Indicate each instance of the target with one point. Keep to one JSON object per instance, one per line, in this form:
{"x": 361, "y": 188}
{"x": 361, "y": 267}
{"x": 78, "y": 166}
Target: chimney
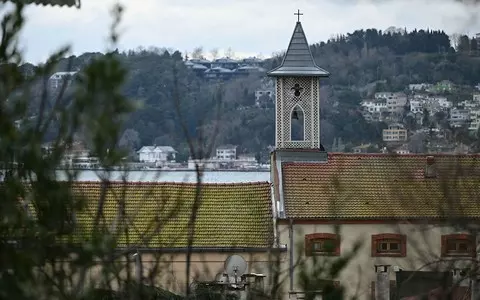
{"x": 382, "y": 282}
{"x": 430, "y": 167}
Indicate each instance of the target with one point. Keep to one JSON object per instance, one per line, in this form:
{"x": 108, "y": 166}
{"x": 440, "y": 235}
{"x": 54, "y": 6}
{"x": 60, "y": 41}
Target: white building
{"x": 419, "y": 86}
{"x": 468, "y": 104}
{"x": 226, "y": 152}
{"x": 389, "y": 95}
{"x": 395, "y": 101}
{"x": 444, "y": 103}
{"x": 57, "y": 79}
{"x": 374, "y": 106}
{"x": 76, "y": 156}
{"x": 246, "y": 161}
{"x": 403, "y": 149}
{"x": 226, "y": 158}
{"x": 416, "y": 106}
{"x": 476, "y": 98}
{"x": 395, "y": 133}
{"x": 156, "y": 154}
{"x": 474, "y": 119}
{"x": 459, "y": 117}
{"x": 434, "y": 103}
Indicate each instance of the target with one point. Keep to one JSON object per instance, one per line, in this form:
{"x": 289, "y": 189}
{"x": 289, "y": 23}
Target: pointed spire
{"x": 298, "y": 60}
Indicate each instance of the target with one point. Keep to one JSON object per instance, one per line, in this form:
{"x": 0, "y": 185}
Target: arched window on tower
{"x": 297, "y": 130}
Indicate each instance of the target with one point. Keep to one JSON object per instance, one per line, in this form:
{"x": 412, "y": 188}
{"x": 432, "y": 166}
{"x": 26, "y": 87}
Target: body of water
{"x": 173, "y": 176}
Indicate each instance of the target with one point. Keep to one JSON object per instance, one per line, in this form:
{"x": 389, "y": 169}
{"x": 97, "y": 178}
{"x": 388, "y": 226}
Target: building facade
{"x": 226, "y": 152}
{"x": 156, "y": 154}
{"x": 389, "y": 213}
{"x": 386, "y": 209}
{"x": 395, "y": 133}
{"x": 58, "y": 79}
{"x": 233, "y": 219}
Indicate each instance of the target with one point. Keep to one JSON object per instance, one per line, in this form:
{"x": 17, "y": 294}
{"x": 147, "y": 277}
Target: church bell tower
{"x": 297, "y": 88}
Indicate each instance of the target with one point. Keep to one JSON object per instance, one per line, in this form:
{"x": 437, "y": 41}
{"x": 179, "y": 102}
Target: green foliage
{"x": 37, "y": 210}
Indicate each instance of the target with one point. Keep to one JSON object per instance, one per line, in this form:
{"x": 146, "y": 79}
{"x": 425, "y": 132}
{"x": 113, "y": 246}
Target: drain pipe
{"x": 290, "y": 268}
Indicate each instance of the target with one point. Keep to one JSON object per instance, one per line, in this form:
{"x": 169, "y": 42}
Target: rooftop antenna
{"x": 235, "y": 266}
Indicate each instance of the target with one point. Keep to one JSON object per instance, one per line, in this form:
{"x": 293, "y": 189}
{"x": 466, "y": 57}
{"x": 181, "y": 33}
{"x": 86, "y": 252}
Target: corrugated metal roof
{"x": 298, "y": 60}
{"x": 68, "y": 3}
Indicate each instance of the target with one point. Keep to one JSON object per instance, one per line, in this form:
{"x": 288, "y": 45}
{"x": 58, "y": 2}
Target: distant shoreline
{"x": 169, "y": 170}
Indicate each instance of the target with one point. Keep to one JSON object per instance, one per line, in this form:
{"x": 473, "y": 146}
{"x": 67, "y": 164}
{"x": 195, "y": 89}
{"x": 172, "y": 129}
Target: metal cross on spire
{"x": 298, "y": 14}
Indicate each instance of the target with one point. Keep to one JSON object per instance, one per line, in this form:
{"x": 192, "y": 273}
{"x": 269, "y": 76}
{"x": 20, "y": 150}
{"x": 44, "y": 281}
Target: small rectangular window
{"x": 324, "y": 244}
{"x": 389, "y": 245}
{"x": 458, "y": 245}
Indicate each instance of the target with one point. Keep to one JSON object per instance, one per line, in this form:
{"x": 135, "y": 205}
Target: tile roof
{"x": 382, "y": 186}
{"x": 298, "y": 60}
{"x": 230, "y": 215}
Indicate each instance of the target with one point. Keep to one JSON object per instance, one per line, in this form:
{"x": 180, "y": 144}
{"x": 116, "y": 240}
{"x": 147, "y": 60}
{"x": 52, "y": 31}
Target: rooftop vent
{"x": 430, "y": 168}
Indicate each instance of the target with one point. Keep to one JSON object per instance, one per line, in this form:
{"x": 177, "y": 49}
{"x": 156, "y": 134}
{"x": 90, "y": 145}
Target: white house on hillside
{"x": 459, "y": 117}
{"x": 416, "y": 106}
{"x": 476, "y": 98}
{"x": 374, "y": 106}
{"x": 57, "y": 79}
{"x": 395, "y": 133}
{"x": 156, "y": 154}
{"x": 227, "y": 152}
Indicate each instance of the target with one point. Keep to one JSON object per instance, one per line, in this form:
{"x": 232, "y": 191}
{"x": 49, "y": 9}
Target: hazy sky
{"x": 249, "y": 27}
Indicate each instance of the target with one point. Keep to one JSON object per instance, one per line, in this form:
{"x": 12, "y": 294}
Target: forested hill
{"x": 366, "y": 56}
{"x": 361, "y": 63}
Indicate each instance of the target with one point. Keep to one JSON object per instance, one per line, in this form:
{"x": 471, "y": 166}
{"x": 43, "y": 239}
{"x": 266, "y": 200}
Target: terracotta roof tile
{"x": 230, "y": 215}
{"x": 382, "y": 186}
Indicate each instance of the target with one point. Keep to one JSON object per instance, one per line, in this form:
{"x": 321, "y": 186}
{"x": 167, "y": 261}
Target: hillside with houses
{"x": 408, "y": 92}
{"x": 425, "y": 118}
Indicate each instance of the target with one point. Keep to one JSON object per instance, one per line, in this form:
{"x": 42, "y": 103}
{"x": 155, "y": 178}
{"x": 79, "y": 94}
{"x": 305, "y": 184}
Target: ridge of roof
{"x": 395, "y": 155}
{"x": 298, "y": 60}
{"x": 167, "y": 183}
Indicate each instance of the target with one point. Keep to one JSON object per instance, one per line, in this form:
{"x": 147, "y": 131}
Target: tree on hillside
{"x": 214, "y": 53}
{"x": 426, "y": 118}
{"x": 455, "y": 40}
{"x": 474, "y": 46}
{"x": 230, "y": 53}
{"x": 130, "y": 140}
{"x": 197, "y": 53}
{"x": 464, "y": 44}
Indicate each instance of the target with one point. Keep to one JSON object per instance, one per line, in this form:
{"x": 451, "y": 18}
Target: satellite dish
{"x": 235, "y": 265}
